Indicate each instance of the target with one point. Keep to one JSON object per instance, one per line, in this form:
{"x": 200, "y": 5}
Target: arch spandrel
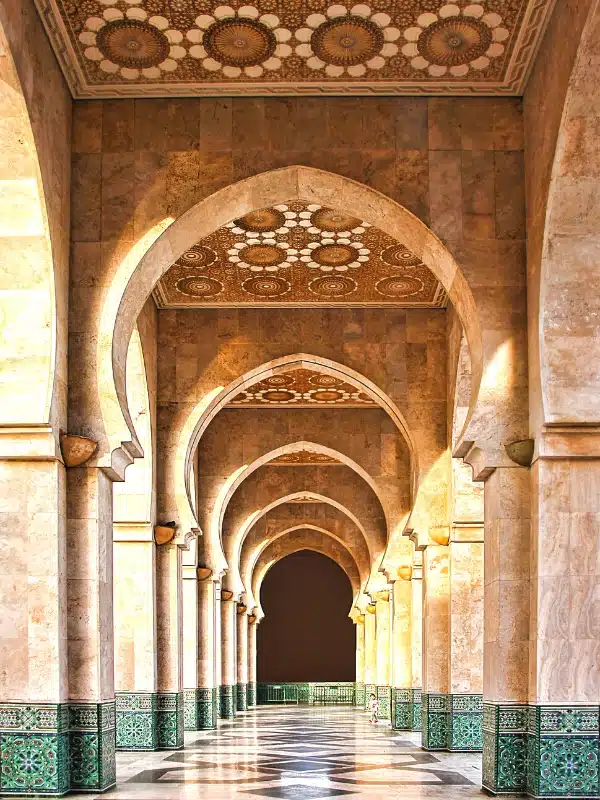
{"x": 367, "y": 438}
{"x": 307, "y": 539}
{"x": 232, "y": 538}
{"x": 269, "y": 530}
{"x": 268, "y": 484}
{"x": 137, "y": 280}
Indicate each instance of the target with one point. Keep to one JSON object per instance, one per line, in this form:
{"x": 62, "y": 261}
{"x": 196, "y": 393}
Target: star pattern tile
{"x": 297, "y": 254}
{"x": 302, "y": 387}
{"x": 111, "y": 48}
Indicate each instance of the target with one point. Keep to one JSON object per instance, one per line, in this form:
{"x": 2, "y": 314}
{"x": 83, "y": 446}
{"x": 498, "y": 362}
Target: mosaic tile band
{"x": 200, "y": 708}
{"x": 227, "y": 701}
{"x": 251, "y": 694}
{"x": 49, "y": 749}
{"x": 136, "y": 720}
{"x": 452, "y": 721}
{"x": 242, "y": 697}
{"x": 401, "y": 709}
{"x": 416, "y": 710}
{"x": 543, "y": 751}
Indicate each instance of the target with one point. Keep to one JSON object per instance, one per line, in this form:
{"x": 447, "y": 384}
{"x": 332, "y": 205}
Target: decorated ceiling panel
{"x": 304, "y": 458}
{"x": 298, "y": 254}
{"x": 301, "y": 387}
{"x": 156, "y": 47}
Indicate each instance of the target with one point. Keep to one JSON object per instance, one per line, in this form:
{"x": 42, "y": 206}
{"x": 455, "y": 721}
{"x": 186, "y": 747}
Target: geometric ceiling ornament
{"x": 302, "y": 388}
{"x": 298, "y": 254}
{"x": 304, "y": 458}
{"x": 137, "y": 48}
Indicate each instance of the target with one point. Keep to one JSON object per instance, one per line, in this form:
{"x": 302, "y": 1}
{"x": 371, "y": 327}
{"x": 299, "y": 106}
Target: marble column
{"x": 169, "y": 635}
{"x": 402, "y": 651}
{"x": 416, "y": 634}
{"x": 199, "y": 650}
{"x": 359, "y": 695}
{"x": 564, "y": 633}
{"x": 383, "y": 635}
{"x": 436, "y": 645}
{"x": 370, "y": 652}
{"x": 252, "y": 682}
{"x": 33, "y": 597}
{"x": 242, "y": 658}
{"x": 134, "y": 571}
{"x": 465, "y": 698}
{"x": 228, "y": 655}
{"x": 506, "y": 645}
{"x": 90, "y": 629}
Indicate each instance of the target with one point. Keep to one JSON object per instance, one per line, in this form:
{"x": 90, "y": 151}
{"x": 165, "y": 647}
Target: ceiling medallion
{"x": 199, "y": 286}
{"x": 239, "y": 42}
{"x": 326, "y": 219}
{"x": 132, "y": 44}
{"x": 332, "y": 286}
{"x": 261, "y": 221}
{"x": 399, "y": 287}
{"x": 262, "y": 255}
{"x": 267, "y": 286}
{"x": 279, "y": 380}
{"x": 399, "y": 256}
{"x": 324, "y": 380}
{"x": 455, "y": 40}
{"x": 350, "y": 41}
{"x": 199, "y": 256}
{"x": 330, "y": 255}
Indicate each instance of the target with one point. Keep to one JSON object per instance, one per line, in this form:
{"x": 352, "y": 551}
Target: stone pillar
{"x": 242, "y": 658}
{"x": 252, "y": 687}
{"x": 383, "y": 634}
{"x": 359, "y": 695}
{"x": 465, "y": 664}
{"x": 506, "y": 630}
{"x": 436, "y": 645}
{"x": 199, "y": 652}
{"x": 169, "y": 635}
{"x": 402, "y": 651}
{"x": 416, "y": 641}
{"x": 135, "y": 636}
{"x": 228, "y": 655}
{"x": 34, "y": 714}
{"x": 564, "y": 668}
{"x": 370, "y": 652}
{"x": 90, "y": 630}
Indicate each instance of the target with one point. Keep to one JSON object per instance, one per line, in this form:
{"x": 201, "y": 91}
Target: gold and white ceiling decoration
{"x": 304, "y": 458}
{"x": 301, "y": 387}
{"x": 115, "y": 48}
{"x": 296, "y": 254}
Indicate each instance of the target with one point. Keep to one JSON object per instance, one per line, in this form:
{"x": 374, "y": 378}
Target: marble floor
{"x": 297, "y": 753}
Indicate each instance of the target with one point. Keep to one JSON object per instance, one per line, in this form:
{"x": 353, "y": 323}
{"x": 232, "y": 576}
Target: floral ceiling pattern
{"x": 301, "y": 387}
{"x": 303, "y": 458}
{"x": 137, "y": 47}
{"x": 298, "y": 254}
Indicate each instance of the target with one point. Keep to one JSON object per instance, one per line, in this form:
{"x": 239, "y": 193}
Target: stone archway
{"x": 140, "y": 272}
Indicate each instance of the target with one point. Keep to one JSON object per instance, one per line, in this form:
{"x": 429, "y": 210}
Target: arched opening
{"x": 306, "y": 634}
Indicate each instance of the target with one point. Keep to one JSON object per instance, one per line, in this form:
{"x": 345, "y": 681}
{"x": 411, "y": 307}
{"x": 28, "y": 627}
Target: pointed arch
{"x": 141, "y": 271}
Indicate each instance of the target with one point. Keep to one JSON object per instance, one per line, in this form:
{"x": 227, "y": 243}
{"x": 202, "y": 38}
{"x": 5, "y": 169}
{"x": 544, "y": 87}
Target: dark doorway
{"x": 306, "y": 634}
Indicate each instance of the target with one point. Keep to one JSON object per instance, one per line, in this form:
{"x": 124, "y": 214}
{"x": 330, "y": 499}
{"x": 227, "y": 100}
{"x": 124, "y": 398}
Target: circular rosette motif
{"x": 332, "y": 286}
{"x": 399, "y": 256}
{"x": 323, "y": 380}
{"x": 265, "y": 220}
{"x": 199, "y": 286}
{"x": 455, "y": 40}
{"x": 397, "y": 288}
{"x": 330, "y": 255}
{"x": 347, "y": 41}
{"x": 326, "y": 219}
{"x": 327, "y": 396}
{"x": 239, "y": 42}
{"x": 132, "y": 43}
{"x": 282, "y": 396}
{"x": 262, "y": 255}
{"x": 199, "y": 256}
{"x": 279, "y": 380}
{"x": 266, "y": 287}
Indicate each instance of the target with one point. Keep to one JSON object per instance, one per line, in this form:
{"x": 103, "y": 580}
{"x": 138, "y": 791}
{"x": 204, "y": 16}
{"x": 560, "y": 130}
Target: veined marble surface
{"x": 297, "y": 753}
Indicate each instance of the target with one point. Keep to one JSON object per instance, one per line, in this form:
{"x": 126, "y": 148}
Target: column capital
{"x": 226, "y": 595}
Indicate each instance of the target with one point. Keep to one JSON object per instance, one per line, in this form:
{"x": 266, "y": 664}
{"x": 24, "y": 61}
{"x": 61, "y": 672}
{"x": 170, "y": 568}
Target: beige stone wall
{"x": 47, "y": 116}
{"x": 543, "y": 111}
